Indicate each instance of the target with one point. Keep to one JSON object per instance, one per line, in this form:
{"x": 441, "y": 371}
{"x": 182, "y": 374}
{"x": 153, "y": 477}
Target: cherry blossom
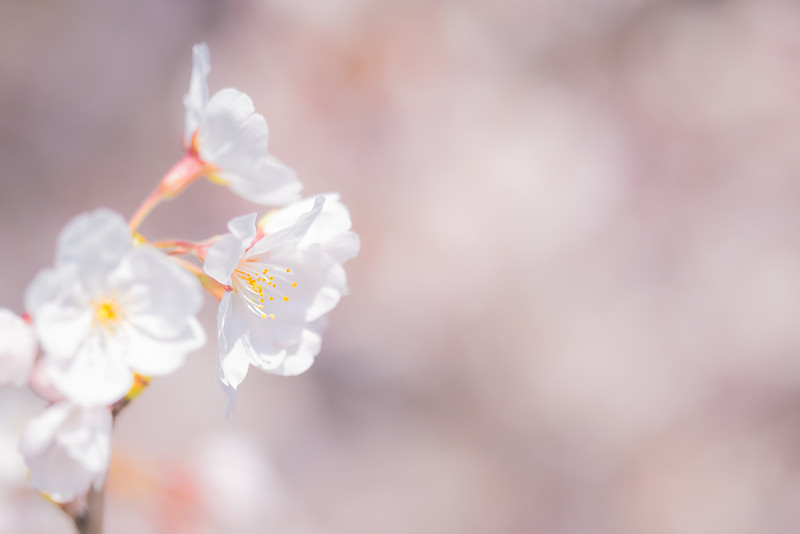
{"x": 109, "y": 309}
{"x": 227, "y": 142}
{"x": 68, "y": 449}
{"x": 282, "y": 279}
{"x": 17, "y": 348}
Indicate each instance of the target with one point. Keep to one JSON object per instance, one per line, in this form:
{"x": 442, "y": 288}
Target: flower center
{"x": 258, "y": 282}
{"x": 107, "y": 313}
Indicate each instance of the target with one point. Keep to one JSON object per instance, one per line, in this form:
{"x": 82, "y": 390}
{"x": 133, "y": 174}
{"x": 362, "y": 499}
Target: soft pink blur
{"x": 577, "y": 304}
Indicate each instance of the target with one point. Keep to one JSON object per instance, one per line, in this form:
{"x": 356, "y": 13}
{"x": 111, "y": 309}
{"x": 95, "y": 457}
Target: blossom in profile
{"x": 227, "y": 142}
{"x": 108, "y": 310}
{"x": 17, "y": 349}
{"x": 68, "y": 449}
{"x": 282, "y": 278}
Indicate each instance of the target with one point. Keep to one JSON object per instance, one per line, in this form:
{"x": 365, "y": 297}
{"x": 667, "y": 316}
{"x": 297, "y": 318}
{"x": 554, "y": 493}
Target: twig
{"x": 88, "y": 519}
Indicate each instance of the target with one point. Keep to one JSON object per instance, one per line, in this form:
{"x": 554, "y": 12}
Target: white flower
{"x": 17, "y": 348}
{"x": 281, "y": 286}
{"x": 230, "y": 139}
{"x": 108, "y": 310}
{"x": 68, "y": 449}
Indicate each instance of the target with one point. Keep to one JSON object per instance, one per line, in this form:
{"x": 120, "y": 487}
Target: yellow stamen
{"x": 106, "y": 313}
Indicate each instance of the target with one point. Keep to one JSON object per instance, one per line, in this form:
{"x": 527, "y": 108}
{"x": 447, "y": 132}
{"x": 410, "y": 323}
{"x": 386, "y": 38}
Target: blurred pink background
{"x": 577, "y": 305}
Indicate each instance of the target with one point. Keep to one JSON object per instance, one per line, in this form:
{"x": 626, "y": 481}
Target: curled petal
{"x": 301, "y": 357}
{"x": 196, "y": 98}
{"x": 333, "y": 220}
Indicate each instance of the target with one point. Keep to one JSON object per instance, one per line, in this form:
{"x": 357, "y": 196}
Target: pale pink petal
{"x": 17, "y": 349}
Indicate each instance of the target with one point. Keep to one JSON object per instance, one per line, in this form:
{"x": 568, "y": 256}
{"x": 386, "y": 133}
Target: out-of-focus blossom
{"x": 108, "y": 310}
{"x": 17, "y": 348}
{"x": 220, "y": 483}
{"x": 282, "y": 279}
{"x": 22, "y": 510}
{"x": 227, "y": 142}
{"x": 234, "y": 482}
{"x": 68, "y": 449}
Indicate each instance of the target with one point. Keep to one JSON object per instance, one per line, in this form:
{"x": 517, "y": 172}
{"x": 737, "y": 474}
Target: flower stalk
{"x": 183, "y": 173}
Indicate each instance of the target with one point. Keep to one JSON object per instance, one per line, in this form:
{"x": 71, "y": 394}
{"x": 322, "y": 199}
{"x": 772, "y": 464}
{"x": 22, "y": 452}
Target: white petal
{"x": 269, "y": 182}
{"x": 41, "y": 383}
{"x": 234, "y": 366}
{"x": 155, "y": 293}
{"x": 243, "y": 227}
{"x": 300, "y": 359}
{"x": 286, "y": 239}
{"x": 61, "y": 313}
{"x": 342, "y": 247}
{"x": 230, "y": 397}
{"x": 196, "y": 98}
{"x": 233, "y": 136}
{"x": 321, "y": 282}
{"x": 233, "y": 357}
{"x": 48, "y": 285}
{"x": 222, "y": 258}
{"x": 325, "y": 300}
{"x": 68, "y": 449}
{"x": 17, "y": 348}
{"x": 333, "y": 220}
{"x": 85, "y": 437}
{"x": 149, "y": 356}
{"x": 40, "y": 431}
{"x": 95, "y": 241}
{"x": 97, "y": 375}
{"x": 235, "y": 139}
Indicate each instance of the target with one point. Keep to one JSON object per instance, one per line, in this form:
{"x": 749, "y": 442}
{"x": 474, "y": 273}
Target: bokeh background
{"x": 577, "y": 305}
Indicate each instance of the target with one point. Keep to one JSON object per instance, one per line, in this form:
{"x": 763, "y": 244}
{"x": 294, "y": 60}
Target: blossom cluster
{"x": 116, "y": 309}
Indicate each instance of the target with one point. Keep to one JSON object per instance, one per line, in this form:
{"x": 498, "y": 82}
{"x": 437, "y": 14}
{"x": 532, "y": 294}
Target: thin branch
{"x": 86, "y": 512}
